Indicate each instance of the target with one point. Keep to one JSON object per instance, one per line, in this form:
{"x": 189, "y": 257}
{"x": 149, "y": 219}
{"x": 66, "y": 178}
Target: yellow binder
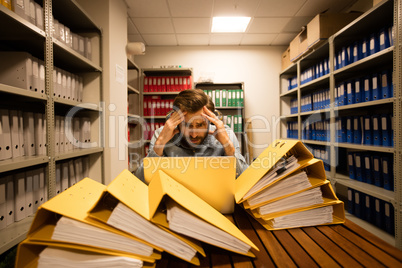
{"x": 315, "y": 174}
{"x": 74, "y": 203}
{"x": 28, "y": 252}
{"x": 266, "y": 160}
{"x": 145, "y": 200}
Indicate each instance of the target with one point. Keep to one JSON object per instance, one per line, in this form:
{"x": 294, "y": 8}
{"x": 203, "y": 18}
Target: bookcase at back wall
{"x": 320, "y": 105}
{"x": 52, "y": 168}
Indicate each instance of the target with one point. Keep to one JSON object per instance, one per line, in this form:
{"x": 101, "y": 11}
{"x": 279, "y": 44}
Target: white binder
{"x": 59, "y": 82}
{"x": 5, "y": 135}
{"x": 73, "y": 87}
{"x": 85, "y": 167}
{"x": 68, "y": 86}
{"x": 44, "y": 134}
{"x": 15, "y": 137}
{"x": 62, "y": 134}
{"x": 88, "y": 48}
{"x": 76, "y": 132}
{"x": 10, "y": 199}
{"x": 78, "y": 169}
{"x": 57, "y": 121}
{"x": 35, "y": 189}
{"x": 16, "y": 69}
{"x": 35, "y": 74}
{"x": 58, "y": 178}
{"x": 80, "y": 89}
{"x": 21, "y": 133}
{"x": 19, "y": 8}
{"x": 71, "y": 169}
{"x": 42, "y": 183}
{"x": 29, "y": 135}
{"x": 29, "y": 192}
{"x": 64, "y": 84}
{"x": 39, "y": 16}
{"x": 19, "y": 196}
{"x": 38, "y": 132}
{"x": 3, "y": 203}
{"x": 32, "y": 15}
{"x": 64, "y": 176}
{"x": 41, "y": 77}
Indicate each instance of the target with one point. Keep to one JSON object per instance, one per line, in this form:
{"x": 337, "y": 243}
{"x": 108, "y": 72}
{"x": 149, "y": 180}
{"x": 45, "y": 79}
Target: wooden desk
{"x": 346, "y": 245}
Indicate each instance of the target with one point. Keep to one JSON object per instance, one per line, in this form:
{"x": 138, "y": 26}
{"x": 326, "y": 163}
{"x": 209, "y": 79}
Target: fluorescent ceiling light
{"x": 229, "y": 24}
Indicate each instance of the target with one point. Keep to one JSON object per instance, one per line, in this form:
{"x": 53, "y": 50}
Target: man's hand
{"x": 169, "y": 130}
{"x": 220, "y": 133}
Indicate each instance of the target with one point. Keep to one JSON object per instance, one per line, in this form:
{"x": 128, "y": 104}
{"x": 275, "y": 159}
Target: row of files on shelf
{"x": 362, "y": 48}
{"x": 362, "y": 89}
{"x": 320, "y": 152}
{"x": 167, "y": 83}
{"x": 372, "y": 168}
{"x": 29, "y": 10}
{"x": 23, "y": 191}
{"x": 22, "y": 70}
{"x": 226, "y": 97}
{"x": 373, "y": 210}
{"x": 155, "y": 105}
{"x": 24, "y": 133}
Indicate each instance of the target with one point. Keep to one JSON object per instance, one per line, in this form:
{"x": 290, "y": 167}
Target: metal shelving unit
{"x": 384, "y": 13}
{"x": 20, "y": 35}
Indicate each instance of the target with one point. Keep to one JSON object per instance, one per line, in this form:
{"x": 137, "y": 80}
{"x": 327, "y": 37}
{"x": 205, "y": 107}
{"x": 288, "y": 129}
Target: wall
{"x": 257, "y": 66}
{"x": 111, "y": 16}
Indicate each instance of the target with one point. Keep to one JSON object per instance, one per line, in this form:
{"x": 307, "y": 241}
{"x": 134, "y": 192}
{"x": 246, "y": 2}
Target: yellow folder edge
{"x": 338, "y": 217}
{"x": 315, "y": 174}
{"x": 74, "y": 203}
{"x": 265, "y": 161}
{"x": 162, "y": 184}
{"x": 328, "y": 195}
{"x": 133, "y": 193}
{"x": 28, "y": 252}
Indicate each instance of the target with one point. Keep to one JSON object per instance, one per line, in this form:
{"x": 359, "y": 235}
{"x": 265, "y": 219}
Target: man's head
{"x": 194, "y": 127}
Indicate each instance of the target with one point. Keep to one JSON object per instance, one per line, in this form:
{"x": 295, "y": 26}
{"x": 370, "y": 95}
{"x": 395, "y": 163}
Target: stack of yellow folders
{"x": 286, "y": 187}
{"x": 126, "y": 223}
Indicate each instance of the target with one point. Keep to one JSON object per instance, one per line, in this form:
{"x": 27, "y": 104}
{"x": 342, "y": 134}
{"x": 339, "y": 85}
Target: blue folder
{"x": 389, "y": 215}
{"x": 384, "y": 38}
{"x": 369, "y": 211}
{"x": 351, "y": 166}
{"x": 365, "y": 48}
{"x": 357, "y": 129}
{"x": 376, "y": 127}
{"x": 376, "y": 86}
{"x": 351, "y": 201}
{"x": 359, "y": 166}
{"x": 367, "y": 88}
{"x": 377, "y": 171}
{"x": 386, "y": 84}
{"x": 379, "y": 213}
{"x": 386, "y": 130}
{"x": 387, "y": 173}
{"x": 368, "y": 171}
{"x": 359, "y": 197}
{"x": 358, "y": 90}
{"x": 350, "y": 91}
{"x": 349, "y": 129}
{"x": 367, "y": 133}
{"x": 374, "y": 43}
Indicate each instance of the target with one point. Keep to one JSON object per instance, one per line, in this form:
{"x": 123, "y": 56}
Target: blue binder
{"x": 367, "y": 133}
{"x": 379, "y": 213}
{"x": 389, "y": 215}
{"x": 386, "y": 130}
{"x": 386, "y": 84}
{"x": 357, "y": 129}
{"x": 356, "y": 51}
{"x": 374, "y": 44}
{"x": 368, "y": 171}
{"x": 344, "y": 56}
{"x": 369, "y": 211}
{"x": 387, "y": 173}
{"x": 365, "y": 48}
{"x": 377, "y": 171}
{"x": 350, "y": 91}
{"x": 376, "y": 124}
{"x": 349, "y": 129}
{"x": 384, "y": 38}
{"x": 358, "y": 90}
{"x": 351, "y": 166}
{"x": 367, "y": 88}
{"x": 359, "y": 197}
{"x": 376, "y": 86}
{"x": 351, "y": 201}
{"x": 359, "y": 168}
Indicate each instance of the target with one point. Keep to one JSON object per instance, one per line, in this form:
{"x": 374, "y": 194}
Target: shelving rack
{"x": 17, "y": 34}
{"x": 386, "y": 12}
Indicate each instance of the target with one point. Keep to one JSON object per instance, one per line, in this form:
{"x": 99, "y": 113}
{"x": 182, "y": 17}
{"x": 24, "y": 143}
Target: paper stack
{"x": 286, "y": 187}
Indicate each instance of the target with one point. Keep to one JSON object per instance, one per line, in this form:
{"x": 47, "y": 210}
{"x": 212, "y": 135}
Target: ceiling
{"x": 188, "y": 22}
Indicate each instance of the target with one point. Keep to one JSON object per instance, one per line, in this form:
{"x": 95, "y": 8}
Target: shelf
{"x": 291, "y": 70}
{"x": 327, "y": 110}
{"x": 67, "y": 58}
{"x": 132, "y": 90}
{"x": 218, "y": 86}
{"x": 322, "y": 81}
{"x": 21, "y": 162}
{"x": 167, "y": 71}
{"x": 76, "y": 104}
{"x": 14, "y": 233}
{"x": 375, "y": 191}
{"x": 132, "y": 143}
{"x": 290, "y": 93}
{"x": 22, "y": 92}
{"x": 290, "y": 116}
{"x": 322, "y": 143}
{"x": 316, "y": 55}
{"x": 390, "y": 239}
{"x": 154, "y": 117}
{"x": 365, "y": 104}
{"x": 382, "y": 149}
{"x": 71, "y": 14}
{"x": 78, "y": 153}
{"x": 160, "y": 93}
{"x": 131, "y": 65}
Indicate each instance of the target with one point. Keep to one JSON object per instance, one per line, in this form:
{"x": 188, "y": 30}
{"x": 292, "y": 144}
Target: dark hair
{"x": 192, "y": 100}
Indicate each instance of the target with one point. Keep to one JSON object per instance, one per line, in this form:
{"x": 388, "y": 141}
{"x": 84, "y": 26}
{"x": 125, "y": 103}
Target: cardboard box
{"x": 286, "y": 59}
{"x": 375, "y": 2}
{"x": 298, "y": 46}
{"x": 324, "y": 25}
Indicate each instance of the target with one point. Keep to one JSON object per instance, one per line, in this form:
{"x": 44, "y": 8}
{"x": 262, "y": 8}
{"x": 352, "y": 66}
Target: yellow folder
{"x": 145, "y": 200}
{"x": 28, "y": 252}
{"x": 266, "y": 160}
{"x": 315, "y": 171}
{"x": 198, "y": 174}
{"x": 74, "y": 203}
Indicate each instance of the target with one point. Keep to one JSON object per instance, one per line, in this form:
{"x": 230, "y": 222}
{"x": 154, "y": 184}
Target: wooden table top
{"x": 343, "y": 245}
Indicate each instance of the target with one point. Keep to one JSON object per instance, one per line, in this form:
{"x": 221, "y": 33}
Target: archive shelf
{"x": 134, "y": 114}
{"x": 19, "y": 34}
{"x": 384, "y": 14}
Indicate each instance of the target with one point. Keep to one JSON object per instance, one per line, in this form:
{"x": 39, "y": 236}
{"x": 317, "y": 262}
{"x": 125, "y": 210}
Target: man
{"x": 192, "y": 129}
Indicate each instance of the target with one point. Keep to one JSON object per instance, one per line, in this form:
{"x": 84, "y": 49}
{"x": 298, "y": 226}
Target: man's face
{"x": 194, "y": 128}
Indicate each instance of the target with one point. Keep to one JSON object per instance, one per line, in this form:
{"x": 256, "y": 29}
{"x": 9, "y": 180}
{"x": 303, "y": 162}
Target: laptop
{"x": 211, "y": 178}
